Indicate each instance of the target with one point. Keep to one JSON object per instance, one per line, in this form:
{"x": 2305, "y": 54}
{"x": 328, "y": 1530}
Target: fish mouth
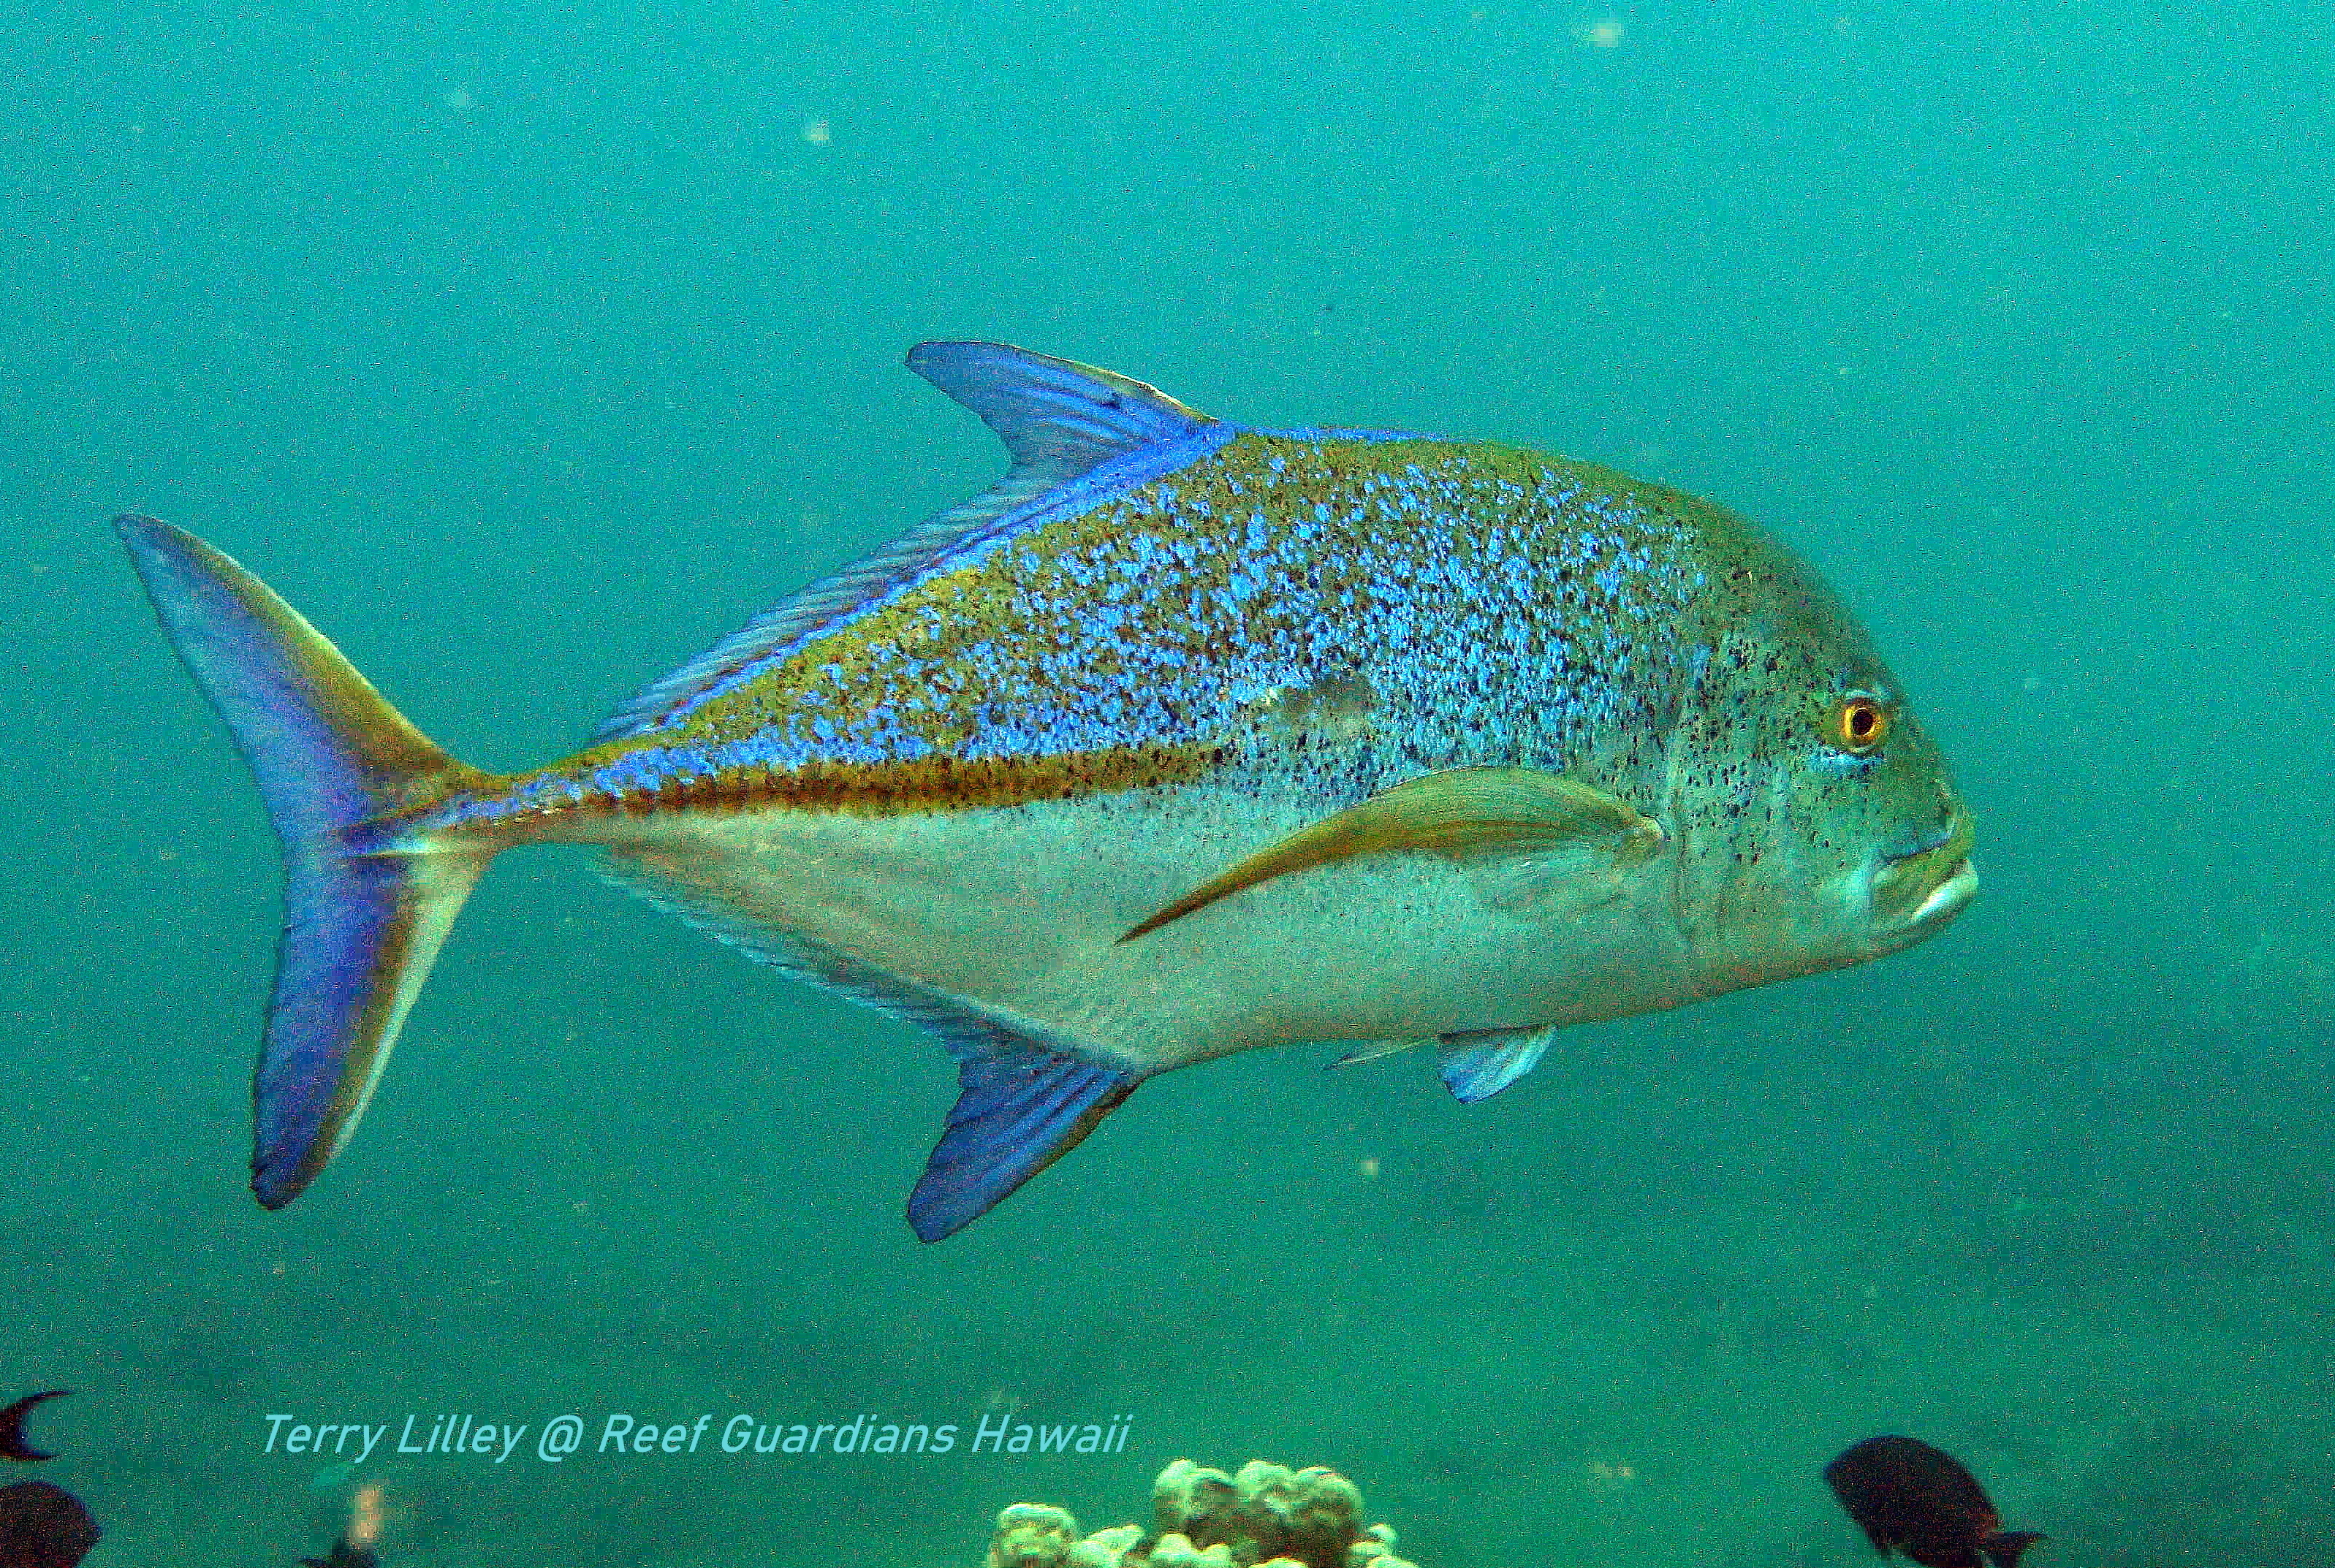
{"x": 1918, "y": 891}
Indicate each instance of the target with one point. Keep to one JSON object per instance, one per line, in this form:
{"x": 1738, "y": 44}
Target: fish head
{"x": 1818, "y": 823}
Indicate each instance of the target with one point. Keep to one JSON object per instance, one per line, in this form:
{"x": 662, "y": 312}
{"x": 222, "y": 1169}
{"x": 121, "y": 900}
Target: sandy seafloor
{"x": 529, "y": 349}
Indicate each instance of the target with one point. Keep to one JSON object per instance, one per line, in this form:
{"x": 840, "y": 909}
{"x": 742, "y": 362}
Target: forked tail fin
{"x": 2003, "y": 1548}
{"x": 362, "y": 920}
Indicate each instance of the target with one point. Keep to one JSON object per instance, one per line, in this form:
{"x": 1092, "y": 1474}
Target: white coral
{"x": 1105, "y": 1548}
{"x": 1266, "y": 1516}
{"x": 1032, "y": 1536}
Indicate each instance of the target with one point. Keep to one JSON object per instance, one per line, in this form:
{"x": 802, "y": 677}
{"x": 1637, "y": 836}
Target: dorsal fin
{"x": 1059, "y": 418}
{"x": 1053, "y": 414}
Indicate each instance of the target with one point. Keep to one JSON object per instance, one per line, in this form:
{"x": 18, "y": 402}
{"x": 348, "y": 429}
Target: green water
{"x": 530, "y": 349}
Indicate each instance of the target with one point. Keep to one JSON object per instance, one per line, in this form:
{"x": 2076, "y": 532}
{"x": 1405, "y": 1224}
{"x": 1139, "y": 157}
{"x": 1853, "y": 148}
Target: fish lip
{"x": 1923, "y": 887}
{"x": 1948, "y": 895}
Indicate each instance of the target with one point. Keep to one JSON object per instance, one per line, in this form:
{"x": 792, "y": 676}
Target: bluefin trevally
{"x": 1185, "y": 739}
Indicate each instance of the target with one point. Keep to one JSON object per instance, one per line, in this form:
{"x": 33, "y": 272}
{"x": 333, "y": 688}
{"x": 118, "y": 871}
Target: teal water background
{"x": 529, "y": 349}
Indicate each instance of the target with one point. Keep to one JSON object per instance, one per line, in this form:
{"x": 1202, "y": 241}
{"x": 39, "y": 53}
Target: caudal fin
{"x": 364, "y": 915}
{"x": 2003, "y": 1548}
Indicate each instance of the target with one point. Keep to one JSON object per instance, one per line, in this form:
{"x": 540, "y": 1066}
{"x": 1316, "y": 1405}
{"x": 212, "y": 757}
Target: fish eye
{"x": 1859, "y": 724}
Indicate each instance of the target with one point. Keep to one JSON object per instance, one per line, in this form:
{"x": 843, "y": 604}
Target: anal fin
{"x": 1478, "y": 1065}
{"x": 1021, "y": 1103}
{"x": 1020, "y": 1107}
{"x": 1371, "y": 1049}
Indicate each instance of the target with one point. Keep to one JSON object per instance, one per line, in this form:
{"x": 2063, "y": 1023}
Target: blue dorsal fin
{"x": 1059, "y": 418}
{"x": 1054, "y": 415}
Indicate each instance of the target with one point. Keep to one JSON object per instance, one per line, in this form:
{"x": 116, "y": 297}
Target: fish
{"x": 1187, "y": 738}
{"x": 1910, "y": 1499}
{"x": 44, "y": 1527}
{"x": 41, "y": 1525}
{"x": 13, "y": 1444}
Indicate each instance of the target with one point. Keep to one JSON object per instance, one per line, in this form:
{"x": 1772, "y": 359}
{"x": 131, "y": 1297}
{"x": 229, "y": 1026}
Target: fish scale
{"x": 1035, "y": 651}
{"x": 1187, "y": 738}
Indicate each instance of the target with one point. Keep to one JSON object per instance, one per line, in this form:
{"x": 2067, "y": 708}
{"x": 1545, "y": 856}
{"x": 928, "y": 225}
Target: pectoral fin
{"x": 1462, "y": 814}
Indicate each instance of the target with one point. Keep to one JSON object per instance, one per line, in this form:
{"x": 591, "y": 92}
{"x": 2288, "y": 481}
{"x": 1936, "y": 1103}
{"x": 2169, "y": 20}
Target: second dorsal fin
{"x": 1059, "y": 418}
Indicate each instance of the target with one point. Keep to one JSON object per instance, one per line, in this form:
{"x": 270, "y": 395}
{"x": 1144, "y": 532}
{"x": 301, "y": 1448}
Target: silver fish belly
{"x": 1017, "y": 913}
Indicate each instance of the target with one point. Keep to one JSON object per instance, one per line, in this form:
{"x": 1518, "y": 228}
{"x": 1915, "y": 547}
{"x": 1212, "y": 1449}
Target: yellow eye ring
{"x": 1859, "y": 725}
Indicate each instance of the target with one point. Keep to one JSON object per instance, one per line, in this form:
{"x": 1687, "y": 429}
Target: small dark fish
{"x": 44, "y": 1527}
{"x": 1909, "y": 1497}
{"x": 13, "y": 1445}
